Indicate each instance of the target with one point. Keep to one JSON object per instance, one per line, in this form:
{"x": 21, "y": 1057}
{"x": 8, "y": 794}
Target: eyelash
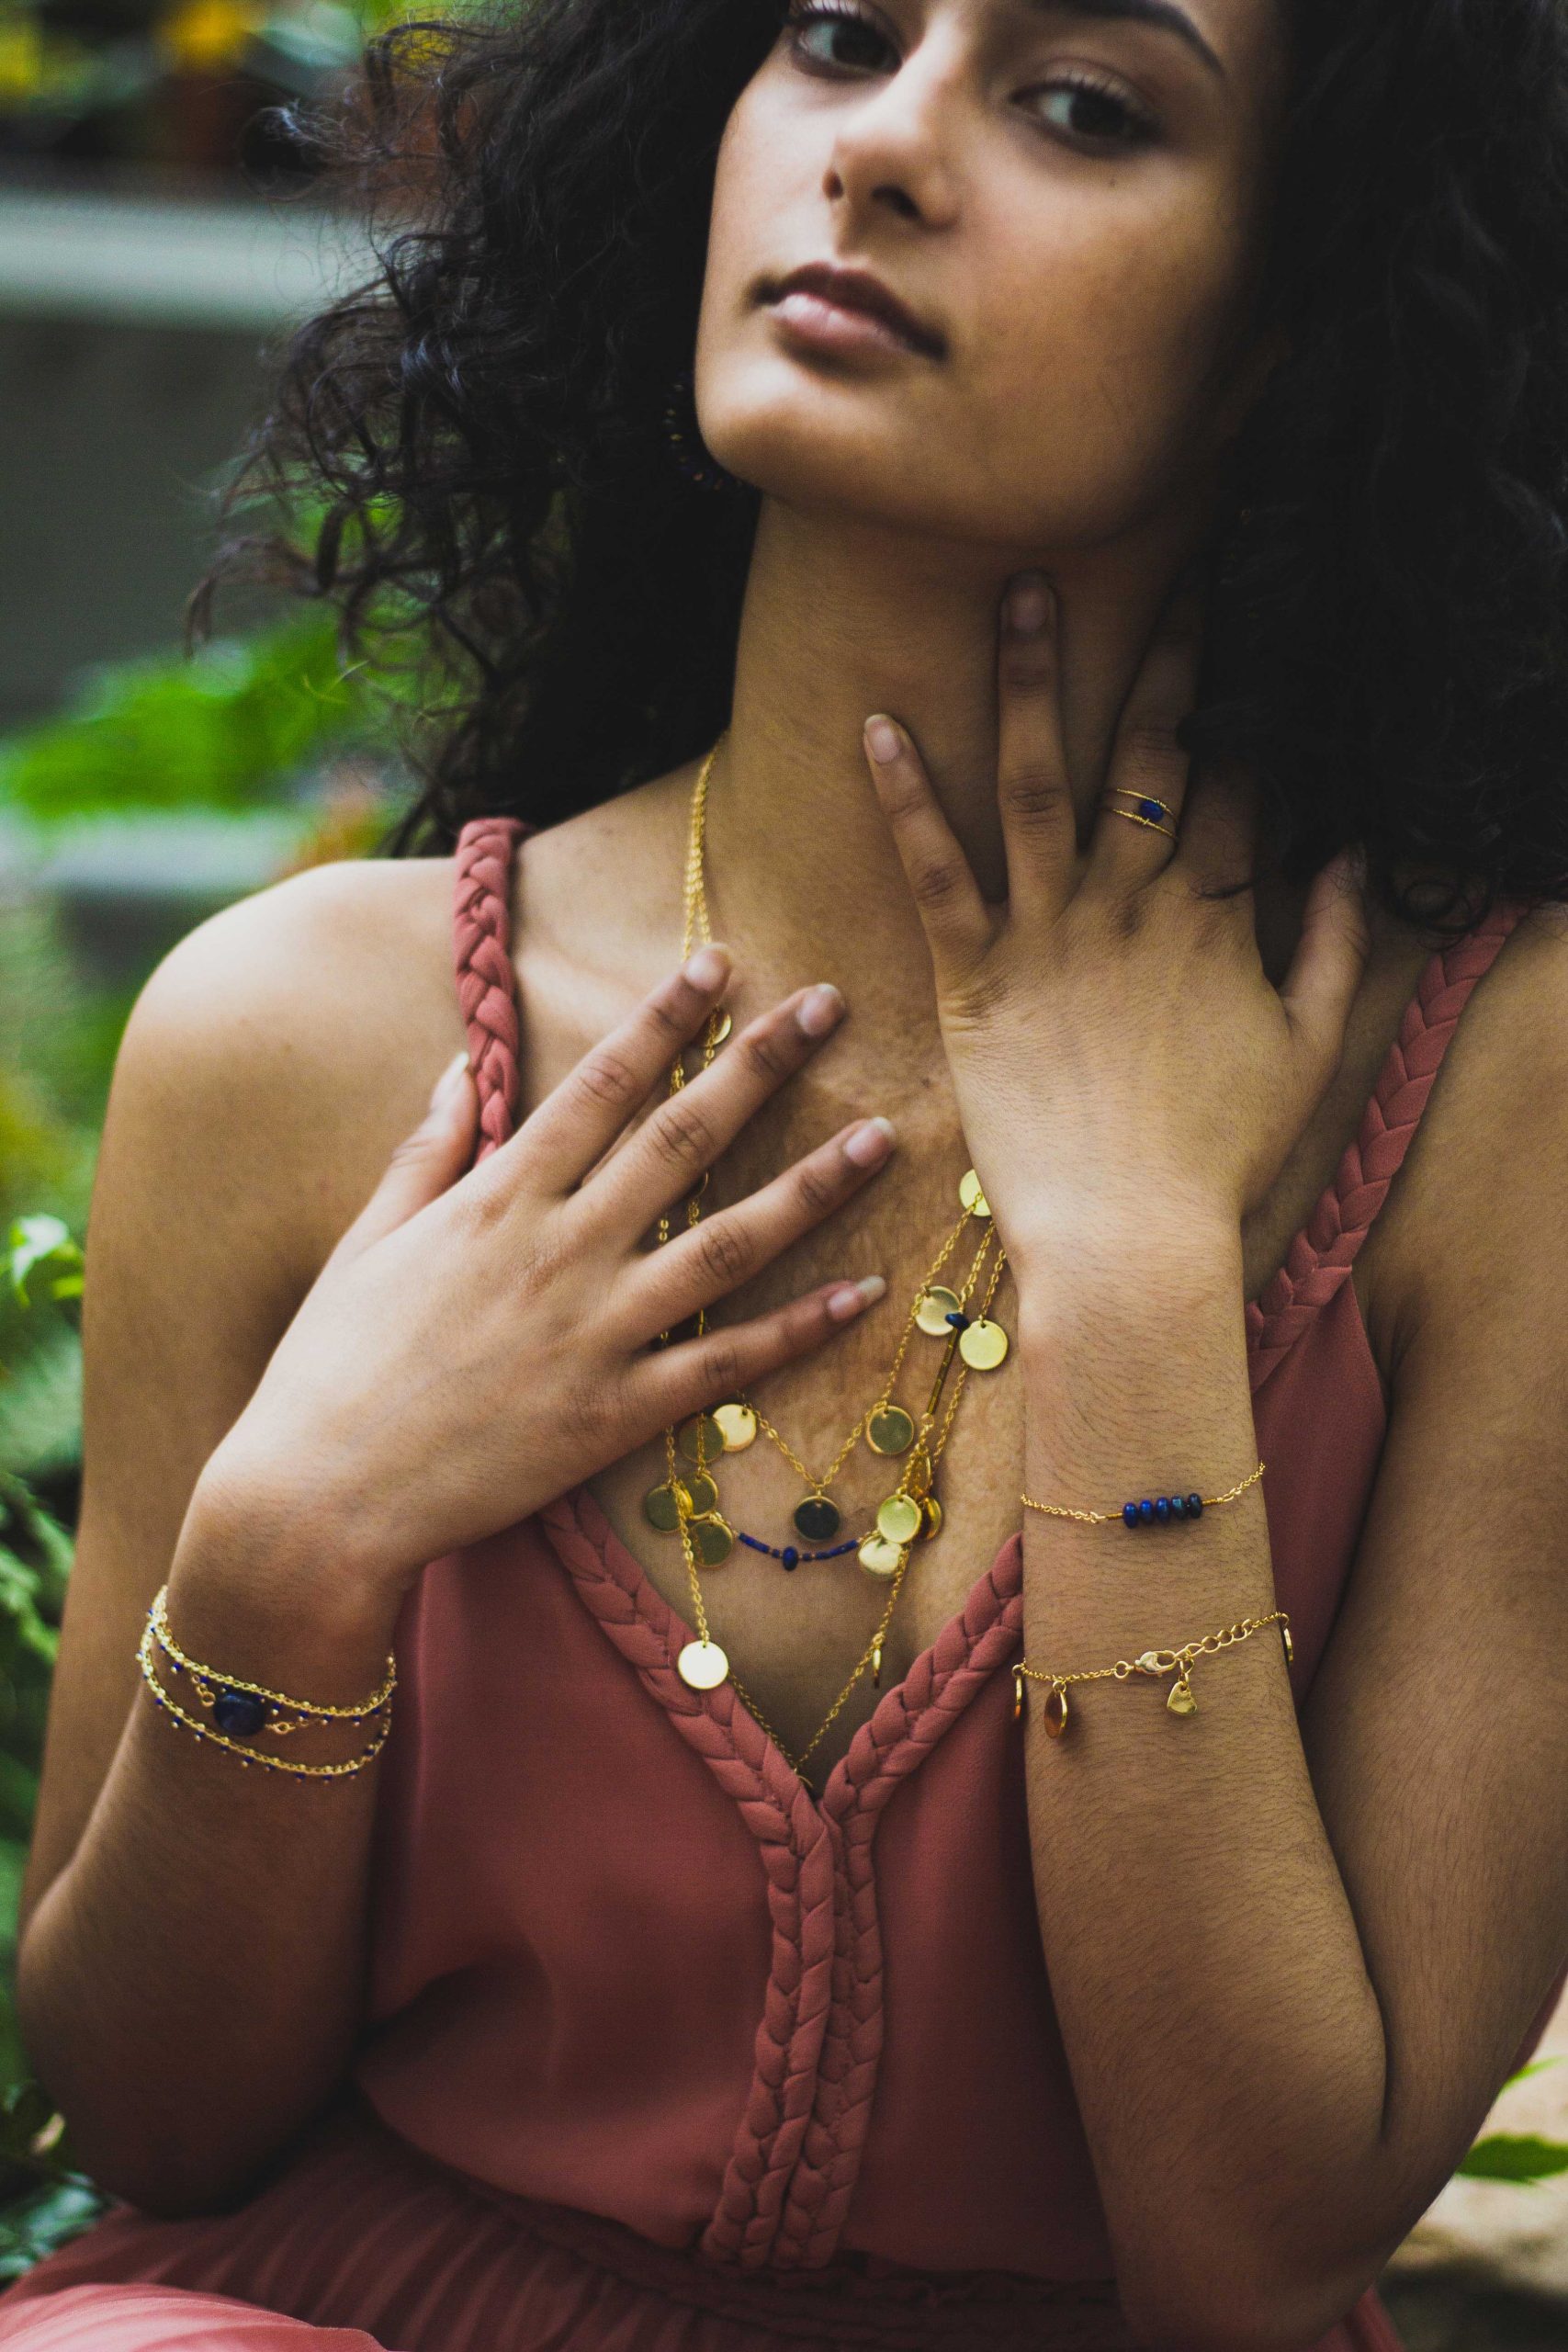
{"x": 803, "y": 14}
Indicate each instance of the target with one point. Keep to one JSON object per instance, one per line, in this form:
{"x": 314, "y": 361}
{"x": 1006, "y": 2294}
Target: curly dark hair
{"x": 480, "y": 434}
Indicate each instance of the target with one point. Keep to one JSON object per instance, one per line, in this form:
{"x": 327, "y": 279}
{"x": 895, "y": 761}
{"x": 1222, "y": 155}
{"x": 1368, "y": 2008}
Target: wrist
{"x": 258, "y": 1558}
{"x": 1159, "y": 1267}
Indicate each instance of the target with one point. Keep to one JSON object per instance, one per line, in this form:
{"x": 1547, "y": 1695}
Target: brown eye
{"x": 1097, "y": 113}
{"x": 829, "y": 33}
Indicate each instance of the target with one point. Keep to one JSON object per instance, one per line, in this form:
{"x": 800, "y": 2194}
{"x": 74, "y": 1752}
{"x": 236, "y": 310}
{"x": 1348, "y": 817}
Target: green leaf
{"x": 39, "y": 1241}
{"x": 1515, "y": 2156}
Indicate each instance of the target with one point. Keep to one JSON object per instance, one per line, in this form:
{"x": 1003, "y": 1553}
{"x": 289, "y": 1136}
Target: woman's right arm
{"x": 287, "y": 1453}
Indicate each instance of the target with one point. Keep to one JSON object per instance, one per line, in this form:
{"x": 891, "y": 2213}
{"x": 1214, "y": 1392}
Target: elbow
{"x": 1233, "y": 2309}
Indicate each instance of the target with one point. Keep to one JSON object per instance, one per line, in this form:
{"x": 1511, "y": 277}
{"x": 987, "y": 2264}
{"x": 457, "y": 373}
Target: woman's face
{"x": 1070, "y": 199}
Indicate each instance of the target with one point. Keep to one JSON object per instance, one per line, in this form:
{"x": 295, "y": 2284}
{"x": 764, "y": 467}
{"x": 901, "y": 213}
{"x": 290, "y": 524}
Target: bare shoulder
{"x": 292, "y": 1038}
{"x": 1485, "y": 1179}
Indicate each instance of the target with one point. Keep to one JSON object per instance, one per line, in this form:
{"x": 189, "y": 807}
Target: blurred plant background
{"x": 159, "y": 226}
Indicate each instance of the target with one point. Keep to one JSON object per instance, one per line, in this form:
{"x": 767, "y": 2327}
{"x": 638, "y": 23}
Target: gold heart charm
{"x": 1181, "y": 1702}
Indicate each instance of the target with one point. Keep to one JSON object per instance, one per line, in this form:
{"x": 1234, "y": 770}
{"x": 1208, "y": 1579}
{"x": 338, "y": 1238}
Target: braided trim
{"x": 913, "y": 1717}
{"x": 482, "y": 896}
{"x": 1322, "y": 1252}
{"x": 797, "y": 1859}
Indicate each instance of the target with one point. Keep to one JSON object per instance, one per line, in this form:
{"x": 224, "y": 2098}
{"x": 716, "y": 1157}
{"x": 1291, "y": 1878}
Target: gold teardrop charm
{"x": 890, "y": 1429}
{"x": 973, "y": 1198}
{"x": 1181, "y": 1702}
{"x": 702, "y": 1665}
{"x": 899, "y": 1518}
{"x": 983, "y": 1344}
{"x": 931, "y": 1512}
{"x": 1055, "y": 1710}
{"x": 932, "y": 1309}
{"x": 877, "y": 1666}
{"x": 880, "y": 1558}
{"x": 736, "y": 1426}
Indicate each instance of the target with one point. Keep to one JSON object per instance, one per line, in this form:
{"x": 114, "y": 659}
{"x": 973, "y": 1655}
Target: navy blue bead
{"x": 1145, "y": 1511}
{"x": 790, "y": 1556}
{"x": 1194, "y": 1506}
{"x": 239, "y": 1712}
{"x": 1130, "y": 1513}
{"x": 1152, "y": 810}
{"x": 1179, "y": 1505}
{"x": 1162, "y": 1509}
{"x": 959, "y": 1320}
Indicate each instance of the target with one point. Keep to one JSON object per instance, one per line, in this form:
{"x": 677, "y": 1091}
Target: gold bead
{"x": 973, "y": 1198}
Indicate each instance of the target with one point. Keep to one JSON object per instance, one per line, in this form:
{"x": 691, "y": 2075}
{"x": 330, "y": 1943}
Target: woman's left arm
{"x": 1292, "y": 1959}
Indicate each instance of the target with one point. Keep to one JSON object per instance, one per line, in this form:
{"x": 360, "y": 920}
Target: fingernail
{"x": 869, "y": 1142}
{"x": 449, "y": 1078}
{"x": 705, "y": 968}
{"x": 849, "y": 1297}
{"x": 1028, "y": 603}
{"x": 882, "y": 738}
{"x": 818, "y": 1009}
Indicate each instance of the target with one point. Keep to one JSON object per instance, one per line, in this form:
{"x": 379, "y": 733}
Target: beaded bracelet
{"x": 1181, "y": 1701}
{"x": 244, "y": 1708}
{"x": 1161, "y": 1511}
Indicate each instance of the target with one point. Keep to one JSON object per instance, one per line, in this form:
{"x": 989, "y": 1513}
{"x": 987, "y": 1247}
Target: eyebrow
{"x": 1162, "y": 13}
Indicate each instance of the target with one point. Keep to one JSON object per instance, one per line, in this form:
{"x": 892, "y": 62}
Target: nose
{"x": 895, "y": 144}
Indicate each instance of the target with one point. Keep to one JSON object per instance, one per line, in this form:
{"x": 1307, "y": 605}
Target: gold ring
{"x": 1148, "y": 812}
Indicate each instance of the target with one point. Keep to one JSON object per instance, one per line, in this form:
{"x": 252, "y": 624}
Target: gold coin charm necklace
{"x": 687, "y": 1503}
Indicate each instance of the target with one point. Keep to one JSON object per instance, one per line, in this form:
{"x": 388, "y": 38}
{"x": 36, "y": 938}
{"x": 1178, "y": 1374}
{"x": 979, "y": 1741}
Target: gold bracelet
{"x": 1181, "y": 1701}
{"x": 1160, "y": 1510}
{"x": 242, "y": 1708}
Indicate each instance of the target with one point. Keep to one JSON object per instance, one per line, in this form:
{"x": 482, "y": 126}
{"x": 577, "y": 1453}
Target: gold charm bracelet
{"x": 1151, "y": 1662}
{"x": 242, "y": 1709}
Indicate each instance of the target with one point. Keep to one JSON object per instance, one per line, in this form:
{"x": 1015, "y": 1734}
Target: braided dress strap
{"x": 482, "y": 927}
{"x": 1323, "y": 1253}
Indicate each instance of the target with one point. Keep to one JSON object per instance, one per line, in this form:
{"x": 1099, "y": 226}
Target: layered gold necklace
{"x": 687, "y": 1503}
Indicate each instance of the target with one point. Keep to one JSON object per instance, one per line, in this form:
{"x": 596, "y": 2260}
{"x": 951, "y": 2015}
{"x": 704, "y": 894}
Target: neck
{"x": 841, "y": 619}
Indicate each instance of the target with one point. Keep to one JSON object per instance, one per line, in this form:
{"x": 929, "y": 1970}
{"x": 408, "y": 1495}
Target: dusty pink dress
{"x": 665, "y": 2055}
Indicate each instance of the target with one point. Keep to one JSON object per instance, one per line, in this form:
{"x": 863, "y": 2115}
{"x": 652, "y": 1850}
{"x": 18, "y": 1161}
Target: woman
{"x": 716, "y": 1958}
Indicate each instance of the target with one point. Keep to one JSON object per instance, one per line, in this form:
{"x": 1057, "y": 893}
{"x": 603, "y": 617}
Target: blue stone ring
{"x": 1145, "y": 810}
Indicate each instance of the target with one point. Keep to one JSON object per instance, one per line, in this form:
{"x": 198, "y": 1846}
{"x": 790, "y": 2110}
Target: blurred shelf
{"x": 170, "y": 262}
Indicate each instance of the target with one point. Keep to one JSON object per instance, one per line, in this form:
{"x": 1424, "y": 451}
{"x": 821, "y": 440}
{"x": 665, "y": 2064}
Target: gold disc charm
{"x": 736, "y": 1426}
{"x": 701, "y": 1491}
{"x": 918, "y": 1481}
{"x": 1290, "y": 1648}
{"x": 930, "y": 1511}
{"x": 702, "y": 1665}
{"x": 1181, "y": 1702}
{"x": 878, "y": 1557}
{"x": 816, "y": 1518}
{"x": 932, "y": 1309}
{"x": 661, "y": 1509}
{"x": 890, "y": 1429}
{"x": 723, "y": 1027}
{"x": 899, "y": 1518}
{"x": 973, "y": 1198}
{"x": 712, "y": 1540}
{"x": 982, "y": 1344}
{"x": 712, "y": 1437}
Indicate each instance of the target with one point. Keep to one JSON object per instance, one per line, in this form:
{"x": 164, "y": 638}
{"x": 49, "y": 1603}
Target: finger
{"x": 1328, "y": 964}
{"x": 1135, "y": 835}
{"x": 694, "y": 1374}
{"x": 429, "y": 1160}
{"x": 1219, "y": 831}
{"x": 723, "y": 1251}
{"x": 946, "y": 896}
{"x": 1033, "y": 795}
{"x": 660, "y": 1161}
{"x": 578, "y": 1120}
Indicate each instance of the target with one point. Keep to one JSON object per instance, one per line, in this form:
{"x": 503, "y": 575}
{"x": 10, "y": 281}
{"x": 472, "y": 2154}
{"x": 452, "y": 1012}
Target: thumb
{"x": 1330, "y": 959}
{"x": 429, "y": 1160}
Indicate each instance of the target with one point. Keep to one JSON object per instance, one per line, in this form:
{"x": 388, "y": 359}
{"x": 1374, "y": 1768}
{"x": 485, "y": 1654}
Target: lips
{"x": 857, "y": 289}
